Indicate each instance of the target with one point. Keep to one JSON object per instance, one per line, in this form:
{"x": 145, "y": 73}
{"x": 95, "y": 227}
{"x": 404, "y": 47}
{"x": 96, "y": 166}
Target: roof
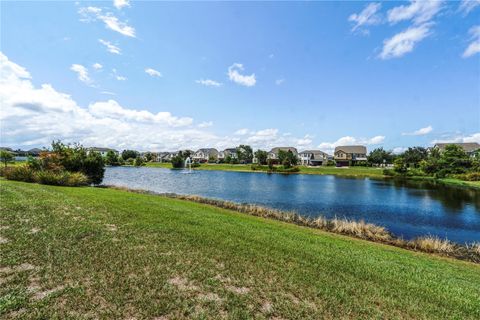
{"x": 207, "y": 150}
{"x": 314, "y": 152}
{"x": 351, "y": 149}
{"x": 276, "y": 149}
{"x": 102, "y": 149}
{"x": 231, "y": 150}
{"x": 6, "y": 149}
{"x": 466, "y": 146}
{"x": 35, "y": 150}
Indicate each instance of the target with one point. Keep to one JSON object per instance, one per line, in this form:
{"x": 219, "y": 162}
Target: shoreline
{"x": 350, "y": 228}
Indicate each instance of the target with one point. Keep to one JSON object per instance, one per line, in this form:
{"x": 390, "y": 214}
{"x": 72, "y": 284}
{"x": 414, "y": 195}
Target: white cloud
{"x": 241, "y": 132}
{"x": 110, "y": 47}
{"x": 466, "y": 6}
{"x": 235, "y": 76}
{"x": 399, "y": 150}
{"x": 419, "y": 11}
{"x": 153, "y": 72}
{"x": 419, "y": 132}
{"x": 34, "y": 116}
{"x": 97, "y": 66}
{"x": 111, "y": 22}
{"x": 404, "y": 42}
{"x": 205, "y": 124}
{"x": 474, "y": 46}
{"x": 368, "y": 16}
{"x": 120, "y": 4}
{"x": 474, "y": 137}
{"x": 82, "y": 73}
{"x": 208, "y": 83}
{"x": 279, "y": 81}
{"x": 108, "y": 93}
{"x": 117, "y": 76}
{"x": 329, "y": 147}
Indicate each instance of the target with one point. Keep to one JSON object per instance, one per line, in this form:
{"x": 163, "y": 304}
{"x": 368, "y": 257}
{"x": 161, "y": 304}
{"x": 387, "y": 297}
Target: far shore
{"x": 351, "y": 172}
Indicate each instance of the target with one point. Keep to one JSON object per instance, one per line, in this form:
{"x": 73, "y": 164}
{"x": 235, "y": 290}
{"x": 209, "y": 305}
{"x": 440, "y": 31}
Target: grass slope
{"x": 101, "y": 253}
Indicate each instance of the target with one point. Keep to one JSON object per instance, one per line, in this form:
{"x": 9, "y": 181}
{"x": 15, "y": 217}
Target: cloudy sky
{"x": 163, "y": 76}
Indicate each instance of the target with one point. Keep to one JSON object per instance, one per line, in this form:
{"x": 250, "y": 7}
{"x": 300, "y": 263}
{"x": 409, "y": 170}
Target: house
{"x": 469, "y": 147}
{"x": 161, "y": 156}
{"x": 348, "y": 155}
{"x": 313, "y": 158}
{"x": 232, "y": 152}
{"x": 205, "y": 154}
{"x": 35, "y": 152}
{"x": 103, "y": 151}
{"x": 273, "y": 154}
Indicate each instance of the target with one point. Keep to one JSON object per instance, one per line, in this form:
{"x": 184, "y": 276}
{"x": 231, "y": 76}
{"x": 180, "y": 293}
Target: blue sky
{"x": 162, "y": 76}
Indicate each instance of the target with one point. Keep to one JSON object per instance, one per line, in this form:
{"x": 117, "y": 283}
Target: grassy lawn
{"x": 69, "y": 253}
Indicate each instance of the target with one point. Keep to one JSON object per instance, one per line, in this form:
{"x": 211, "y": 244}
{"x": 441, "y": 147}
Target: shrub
{"x": 472, "y": 176}
{"x": 20, "y": 173}
{"x": 76, "y": 179}
{"x": 389, "y": 172}
{"x": 94, "y": 167}
{"x": 52, "y": 178}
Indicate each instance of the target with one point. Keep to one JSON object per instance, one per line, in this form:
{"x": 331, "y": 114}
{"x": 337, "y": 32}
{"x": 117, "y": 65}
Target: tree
{"x": 129, "y": 154}
{"x": 111, "y": 158}
{"x": 287, "y": 158}
{"x": 138, "y": 162}
{"x": 261, "y": 156}
{"x": 379, "y": 156}
{"x": 94, "y": 167}
{"x": 414, "y": 155}
{"x": 399, "y": 166}
{"x": 244, "y": 153}
{"x": 148, "y": 156}
{"x": 6, "y": 157}
{"x": 178, "y": 161}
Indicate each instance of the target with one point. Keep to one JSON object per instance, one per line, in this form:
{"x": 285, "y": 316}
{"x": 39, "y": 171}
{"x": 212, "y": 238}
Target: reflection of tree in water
{"x": 453, "y": 198}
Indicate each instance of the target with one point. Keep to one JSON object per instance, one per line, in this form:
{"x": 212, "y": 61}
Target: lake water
{"x": 406, "y": 208}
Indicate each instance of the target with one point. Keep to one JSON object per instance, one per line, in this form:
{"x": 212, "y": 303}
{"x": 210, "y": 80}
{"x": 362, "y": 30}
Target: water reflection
{"x": 407, "y": 208}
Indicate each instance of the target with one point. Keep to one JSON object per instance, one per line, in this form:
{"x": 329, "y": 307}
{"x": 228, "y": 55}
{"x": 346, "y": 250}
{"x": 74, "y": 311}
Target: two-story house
{"x": 103, "y": 151}
{"x": 313, "y": 158}
{"x": 469, "y": 147}
{"x": 348, "y": 155}
{"x": 273, "y": 154}
{"x": 205, "y": 154}
{"x": 232, "y": 152}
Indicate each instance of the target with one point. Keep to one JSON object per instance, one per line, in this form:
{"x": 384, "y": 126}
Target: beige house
{"x": 347, "y": 155}
{"x": 232, "y": 152}
{"x": 103, "y": 151}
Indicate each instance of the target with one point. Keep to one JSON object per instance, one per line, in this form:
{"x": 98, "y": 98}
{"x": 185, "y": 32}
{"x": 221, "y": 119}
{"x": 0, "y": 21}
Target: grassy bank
{"x": 102, "y": 253}
{"x": 352, "y": 171}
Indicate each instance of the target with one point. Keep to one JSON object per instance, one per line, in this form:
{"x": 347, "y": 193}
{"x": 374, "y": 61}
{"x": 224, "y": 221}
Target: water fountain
{"x": 188, "y": 164}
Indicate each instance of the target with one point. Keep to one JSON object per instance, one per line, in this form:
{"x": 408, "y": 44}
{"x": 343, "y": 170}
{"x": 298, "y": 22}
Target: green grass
{"x": 103, "y": 253}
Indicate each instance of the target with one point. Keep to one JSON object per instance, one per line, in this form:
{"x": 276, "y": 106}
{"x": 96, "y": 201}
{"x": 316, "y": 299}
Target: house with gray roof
{"x": 469, "y": 147}
{"x": 205, "y": 154}
{"x": 349, "y": 155}
{"x": 273, "y": 154}
{"x": 229, "y": 152}
{"x": 313, "y": 158}
{"x": 103, "y": 151}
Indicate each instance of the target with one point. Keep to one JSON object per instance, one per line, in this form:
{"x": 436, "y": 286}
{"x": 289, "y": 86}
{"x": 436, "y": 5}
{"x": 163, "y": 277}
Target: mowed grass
{"x": 85, "y": 253}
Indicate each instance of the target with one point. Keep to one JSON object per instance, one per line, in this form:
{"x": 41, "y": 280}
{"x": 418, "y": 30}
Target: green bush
{"x": 389, "y": 172}
{"x": 178, "y": 162}
{"x": 20, "y": 173}
{"x": 472, "y": 176}
{"x": 52, "y": 178}
{"x": 77, "y": 179}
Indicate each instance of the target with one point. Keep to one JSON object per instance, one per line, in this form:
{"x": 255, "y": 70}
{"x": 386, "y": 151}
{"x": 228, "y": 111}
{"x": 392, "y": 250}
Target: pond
{"x": 407, "y": 208}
